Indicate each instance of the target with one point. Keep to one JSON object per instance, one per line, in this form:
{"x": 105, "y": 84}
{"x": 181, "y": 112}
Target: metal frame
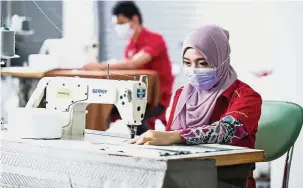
{"x": 287, "y": 167}
{"x": 288, "y": 161}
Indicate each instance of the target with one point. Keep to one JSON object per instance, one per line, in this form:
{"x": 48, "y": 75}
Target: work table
{"x": 103, "y": 159}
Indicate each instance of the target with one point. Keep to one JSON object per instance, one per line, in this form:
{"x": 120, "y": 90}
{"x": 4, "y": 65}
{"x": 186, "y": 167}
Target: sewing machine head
{"x": 73, "y": 95}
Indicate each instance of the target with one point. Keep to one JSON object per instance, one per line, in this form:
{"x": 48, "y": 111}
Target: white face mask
{"x": 124, "y": 31}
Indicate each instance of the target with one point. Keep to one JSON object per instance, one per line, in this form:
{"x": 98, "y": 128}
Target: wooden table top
{"x": 226, "y": 154}
{"x": 226, "y": 158}
{"x": 113, "y": 74}
{"x": 234, "y": 156}
{"x": 23, "y": 72}
{"x": 28, "y": 72}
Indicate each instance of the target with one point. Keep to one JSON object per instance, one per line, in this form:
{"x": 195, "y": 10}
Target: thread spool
{"x": 7, "y": 42}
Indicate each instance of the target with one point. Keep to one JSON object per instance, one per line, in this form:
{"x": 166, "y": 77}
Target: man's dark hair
{"x": 127, "y": 9}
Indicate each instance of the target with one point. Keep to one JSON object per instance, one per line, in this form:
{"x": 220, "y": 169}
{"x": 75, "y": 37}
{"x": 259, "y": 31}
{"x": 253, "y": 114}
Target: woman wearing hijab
{"x": 214, "y": 106}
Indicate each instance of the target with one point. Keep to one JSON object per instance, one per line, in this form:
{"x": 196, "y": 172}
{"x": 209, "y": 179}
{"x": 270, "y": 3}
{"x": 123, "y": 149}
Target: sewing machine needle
{"x": 133, "y": 131}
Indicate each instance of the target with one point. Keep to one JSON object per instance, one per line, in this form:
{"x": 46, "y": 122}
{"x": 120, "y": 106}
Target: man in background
{"x": 145, "y": 50}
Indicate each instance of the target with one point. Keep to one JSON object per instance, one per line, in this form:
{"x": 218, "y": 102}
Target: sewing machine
{"x": 72, "y": 95}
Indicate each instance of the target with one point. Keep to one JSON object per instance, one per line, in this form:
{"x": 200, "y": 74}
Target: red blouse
{"x": 234, "y": 120}
{"x": 154, "y": 44}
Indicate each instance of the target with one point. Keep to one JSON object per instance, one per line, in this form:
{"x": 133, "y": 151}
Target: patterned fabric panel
{"x": 225, "y": 131}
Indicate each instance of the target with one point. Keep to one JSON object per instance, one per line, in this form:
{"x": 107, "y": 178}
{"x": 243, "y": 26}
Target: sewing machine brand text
{"x": 100, "y": 91}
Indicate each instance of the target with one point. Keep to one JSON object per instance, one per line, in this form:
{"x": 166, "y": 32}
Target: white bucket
{"x": 36, "y": 123}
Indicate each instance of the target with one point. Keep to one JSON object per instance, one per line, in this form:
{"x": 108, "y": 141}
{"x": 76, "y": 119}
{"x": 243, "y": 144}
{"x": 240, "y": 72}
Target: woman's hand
{"x": 92, "y": 66}
{"x": 159, "y": 138}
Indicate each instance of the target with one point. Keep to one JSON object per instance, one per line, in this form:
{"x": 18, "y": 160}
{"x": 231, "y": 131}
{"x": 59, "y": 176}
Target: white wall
{"x": 256, "y": 36}
{"x": 80, "y": 19}
{"x": 290, "y": 15}
{"x": 80, "y": 32}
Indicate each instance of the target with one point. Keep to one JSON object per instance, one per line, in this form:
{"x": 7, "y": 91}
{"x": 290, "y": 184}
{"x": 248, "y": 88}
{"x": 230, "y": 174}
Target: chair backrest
{"x": 279, "y": 127}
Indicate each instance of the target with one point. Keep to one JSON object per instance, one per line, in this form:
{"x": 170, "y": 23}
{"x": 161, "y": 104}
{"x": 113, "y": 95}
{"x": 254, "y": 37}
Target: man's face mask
{"x": 124, "y": 31}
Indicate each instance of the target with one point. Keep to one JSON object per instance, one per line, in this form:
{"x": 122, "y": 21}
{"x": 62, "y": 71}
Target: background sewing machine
{"x": 60, "y": 103}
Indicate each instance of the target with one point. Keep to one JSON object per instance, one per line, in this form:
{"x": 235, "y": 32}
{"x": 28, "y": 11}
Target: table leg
{"x": 234, "y": 176}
